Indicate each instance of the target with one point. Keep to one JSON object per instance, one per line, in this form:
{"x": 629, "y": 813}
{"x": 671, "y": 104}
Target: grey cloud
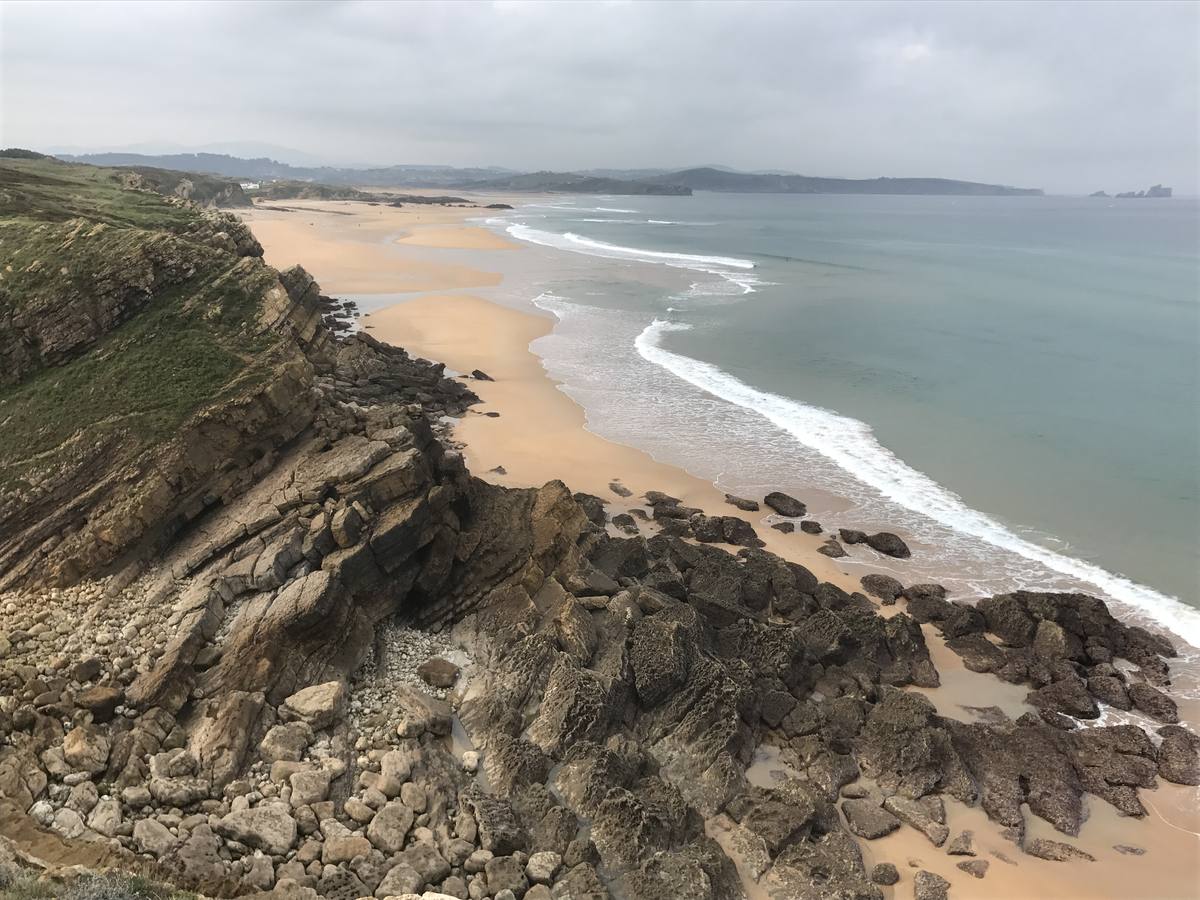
{"x": 1066, "y": 96}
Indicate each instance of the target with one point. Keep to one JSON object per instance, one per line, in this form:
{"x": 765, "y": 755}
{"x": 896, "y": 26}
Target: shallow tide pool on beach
{"x": 1011, "y": 382}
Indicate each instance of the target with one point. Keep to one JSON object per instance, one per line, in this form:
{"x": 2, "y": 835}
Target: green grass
{"x": 22, "y": 886}
{"x": 192, "y": 338}
{"x": 54, "y": 192}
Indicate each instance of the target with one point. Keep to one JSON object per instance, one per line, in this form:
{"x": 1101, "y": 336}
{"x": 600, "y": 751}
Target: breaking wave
{"x": 851, "y": 445}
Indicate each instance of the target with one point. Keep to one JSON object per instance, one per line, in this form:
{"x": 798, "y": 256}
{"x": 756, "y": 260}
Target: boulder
{"x": 309, "y": 786}
{"x": 962, "y": 845}
{"x": 152, "y": 837}
{"x": 852, "y": 536}
{"x": 741, "y": 503}
{"x": 389, "y": 828}
{"x": 400, "y": 880}
{"x": 86, "y": 749}
{"x": 911, "y": 812}
{"x": 976, "y": 868}
{"x": 888, "y": 544}
{"x": 785, "y": 505}
{"x": 885, "y": 587}
{"x": 438, "y": 672}
{"x": 341, "y": 844}
{"x": 928, "y": 886}
{"x": 1151, "y": 701}
{"x": 286, "y": 742}
{"x": 1069, "y": 697}
{"x": 425, "y": 861}
{"x": 542, "y": 867}
{"x": 1110, "y": 690}
{"x": 101, "y": 701}
{"x": 867, "y": 819}
{"x": 810, "y": 527}
{"x": 832, "y": 549}
{"x": 319, "y": 705}
{"x": 505, "y": 873}
{"x": 1179, "y": 755}
{"x": 884, "y": 873}
{"x": 268, "y": 827}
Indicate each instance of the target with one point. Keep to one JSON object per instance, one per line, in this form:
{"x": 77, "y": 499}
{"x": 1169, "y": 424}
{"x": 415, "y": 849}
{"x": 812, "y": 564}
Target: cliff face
{"x": 223, "y": 560}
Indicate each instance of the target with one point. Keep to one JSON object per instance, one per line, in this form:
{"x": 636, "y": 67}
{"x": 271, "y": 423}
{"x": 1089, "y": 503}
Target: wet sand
{"x": 540, "y": 434}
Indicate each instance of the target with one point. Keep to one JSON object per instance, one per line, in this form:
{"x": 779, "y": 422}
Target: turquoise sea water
{"x": 1013, "y": 382}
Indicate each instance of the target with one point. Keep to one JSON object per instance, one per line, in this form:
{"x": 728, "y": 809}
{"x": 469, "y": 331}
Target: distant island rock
{"x": 1099, "y": 194}
{"x": 1157, "y": 191}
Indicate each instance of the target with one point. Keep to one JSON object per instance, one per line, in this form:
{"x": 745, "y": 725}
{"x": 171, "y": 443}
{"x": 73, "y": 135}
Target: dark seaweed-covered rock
{"x": 885, "y": 873}
{"x": 832, "y": 549}
{"x": 928, "y": 886}
{"x": 742, "y": 503}
{"x": 885, "y": 587}
{"x": 1069, "y": 696}
{"x": 868, "y": 819}
{"x": 785, "y": 505}
{"x": 1179, "y": 755}
{"x": 1109, "y": 689}
{"x": 889, "y": 544}
{"x": 1008, "y": 620}
{"x": 1153, "y": 702}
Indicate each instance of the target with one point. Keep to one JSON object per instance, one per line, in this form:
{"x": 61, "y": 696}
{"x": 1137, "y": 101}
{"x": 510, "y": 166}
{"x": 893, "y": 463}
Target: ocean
{"x": 1010, "y": 382}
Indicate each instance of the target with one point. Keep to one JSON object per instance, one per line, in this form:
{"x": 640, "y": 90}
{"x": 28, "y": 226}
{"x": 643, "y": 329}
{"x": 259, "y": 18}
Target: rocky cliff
{"x": 263, "y": 632}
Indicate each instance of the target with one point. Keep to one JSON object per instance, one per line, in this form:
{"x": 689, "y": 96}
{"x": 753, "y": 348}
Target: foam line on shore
{"x": 852, "y": 445}
{"x": 730, "y": 268}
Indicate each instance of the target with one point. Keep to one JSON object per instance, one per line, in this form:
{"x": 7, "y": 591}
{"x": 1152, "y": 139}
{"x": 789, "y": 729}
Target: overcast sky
{"x": 1071, "y": 97}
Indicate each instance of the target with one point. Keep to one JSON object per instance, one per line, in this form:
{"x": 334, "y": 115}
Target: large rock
{"x": 885, "y": 587}
{"x": 1179, "y": 755}
{"x": 319, "y": 706}
{"x": 341, "y": 844}
{"x": 438, "y": 672}
{"x": 389, "y": 827}
{"x": 867, "y": 819}
{"x": 928, "y": 886}
{"x": 913, "y": 813}
{"x": 400, "y": 880}
{"x": 1153, "y": 702}
{"x": 86, "y": 749}
{"x": 152, "y": 837}
{"x": 286, "y": 742}
{"x": 785, "y": 505}
{"x": 268, "y": 827}
{"x": 889, "y": 544}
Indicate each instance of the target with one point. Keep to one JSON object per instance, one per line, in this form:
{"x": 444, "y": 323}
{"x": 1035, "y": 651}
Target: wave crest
{"x": 851, "y": 444}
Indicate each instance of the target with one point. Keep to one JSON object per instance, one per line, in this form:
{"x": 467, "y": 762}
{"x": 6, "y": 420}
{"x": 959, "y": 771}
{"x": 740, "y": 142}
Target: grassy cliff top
{"x": 122, "y": 313}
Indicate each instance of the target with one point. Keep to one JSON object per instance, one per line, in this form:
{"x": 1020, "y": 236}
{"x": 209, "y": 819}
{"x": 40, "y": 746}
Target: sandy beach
{"x": 526, "y": 431}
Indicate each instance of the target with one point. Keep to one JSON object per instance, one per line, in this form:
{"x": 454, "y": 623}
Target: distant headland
{"x": 591, "y": 181}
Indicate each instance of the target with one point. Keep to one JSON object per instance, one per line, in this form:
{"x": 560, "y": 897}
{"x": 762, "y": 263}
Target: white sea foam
{"x": 852, "y": 446}
{"x": 730, "y": 268}
{"x": 608, "y": 209}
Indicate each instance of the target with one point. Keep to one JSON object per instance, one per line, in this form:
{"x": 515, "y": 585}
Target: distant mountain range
{"x": 713, "y": 179}
{"x": 593, "y": 181}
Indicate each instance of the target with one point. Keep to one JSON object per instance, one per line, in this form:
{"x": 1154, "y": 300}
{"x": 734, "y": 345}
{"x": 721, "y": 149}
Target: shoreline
{"x": 540, "y": 434}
